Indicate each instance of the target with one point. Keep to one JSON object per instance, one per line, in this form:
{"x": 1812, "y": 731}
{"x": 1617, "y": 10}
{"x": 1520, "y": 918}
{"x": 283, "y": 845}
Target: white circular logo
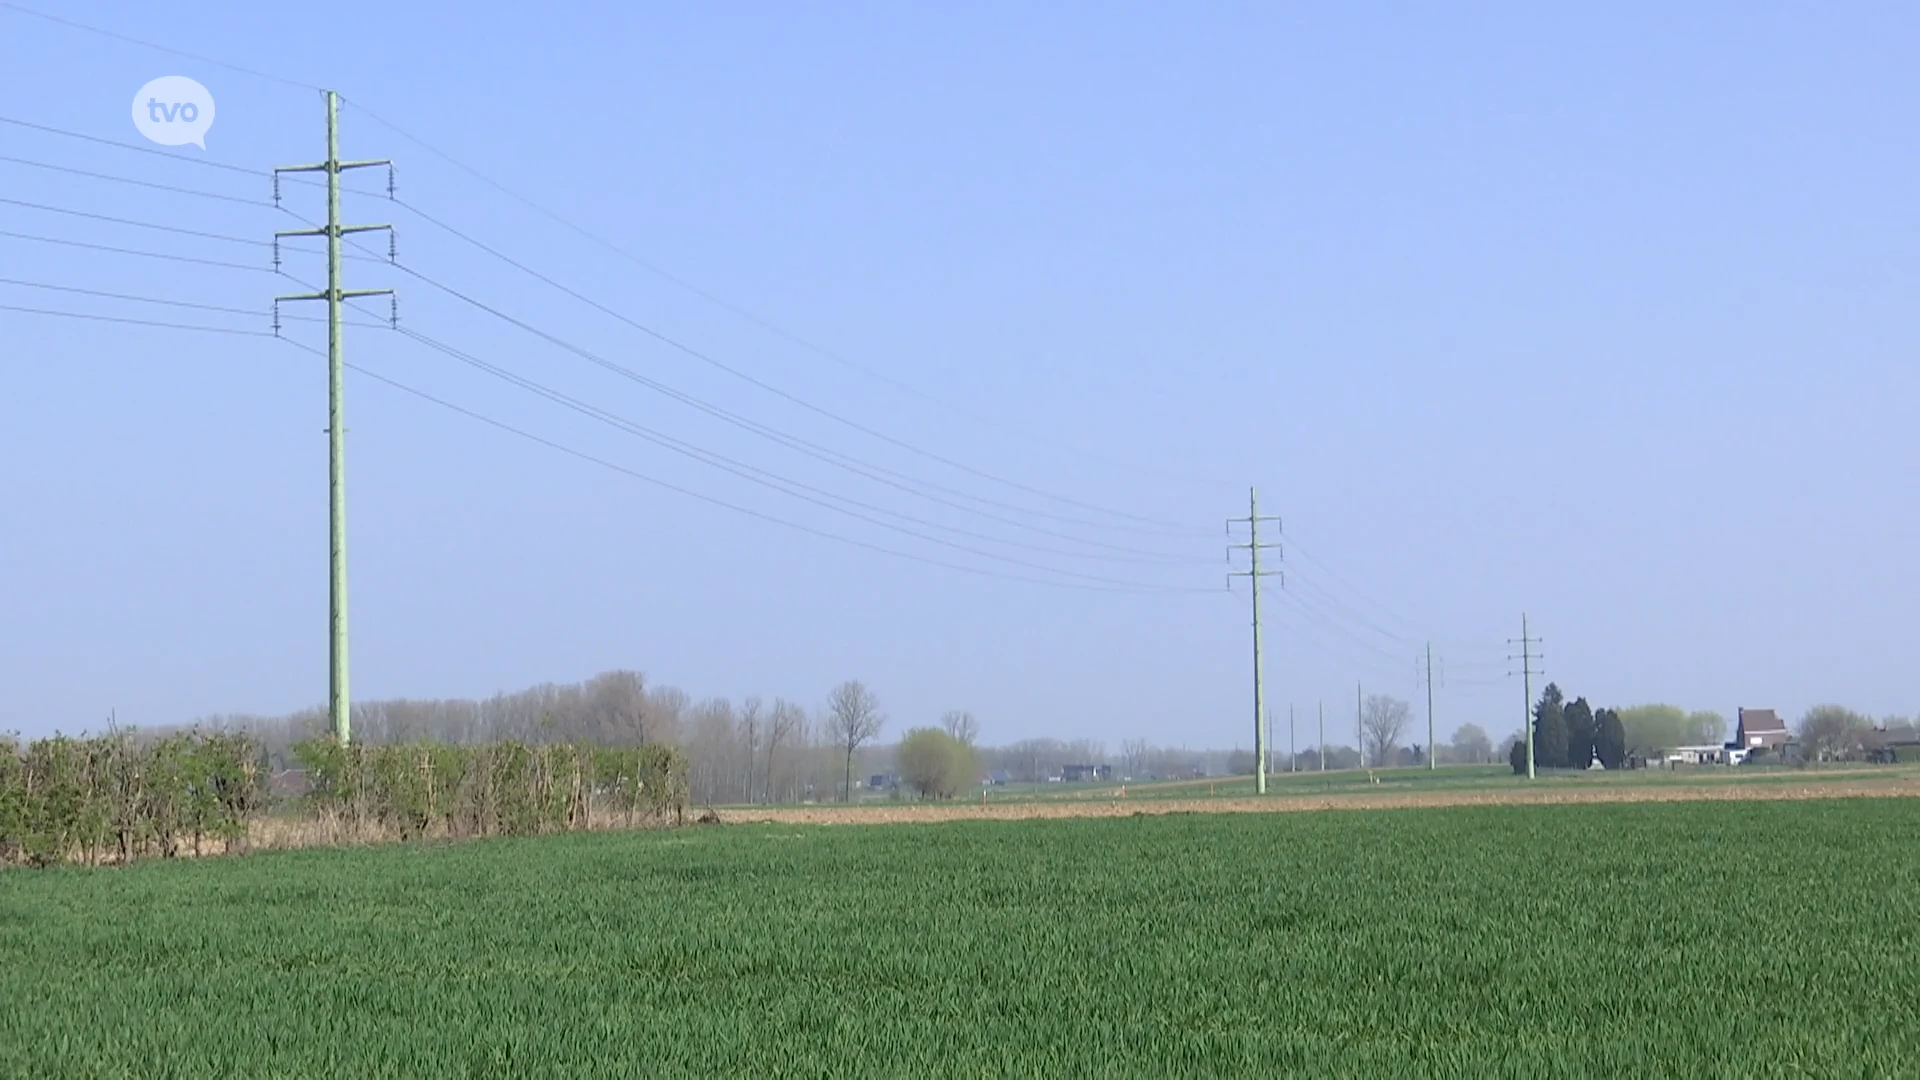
{"x": 173, "y": 110}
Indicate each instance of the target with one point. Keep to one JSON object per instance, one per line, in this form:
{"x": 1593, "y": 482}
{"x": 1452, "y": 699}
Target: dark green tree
{"x": 1517, "y": 757}
{"x": 1579, "y": 718}
{"x": 1550, "y": 729}
{"x": 1609, "y": 738}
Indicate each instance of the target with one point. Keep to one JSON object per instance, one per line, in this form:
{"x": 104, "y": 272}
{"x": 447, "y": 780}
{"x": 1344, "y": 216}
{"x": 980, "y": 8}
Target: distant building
{"x": 1760, "y": 729}
{"x": 1893, "y": 743}
{"x": 1080, "y": 774}
{"x": 1697, "y": 755}
{"x": 882, "y": 782}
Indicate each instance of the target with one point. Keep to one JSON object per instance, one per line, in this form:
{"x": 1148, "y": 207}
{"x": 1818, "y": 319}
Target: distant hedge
{"x": 63, "y": 799}
{"x": 492, "y": 789}
{"x": 116, "y": 798}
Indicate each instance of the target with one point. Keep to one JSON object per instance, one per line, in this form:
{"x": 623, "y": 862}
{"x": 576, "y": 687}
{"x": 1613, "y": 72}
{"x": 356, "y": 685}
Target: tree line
{"x": 750, "y": 750}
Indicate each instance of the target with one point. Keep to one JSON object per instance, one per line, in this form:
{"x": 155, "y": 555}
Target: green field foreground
{"x": 1677, "y": 939}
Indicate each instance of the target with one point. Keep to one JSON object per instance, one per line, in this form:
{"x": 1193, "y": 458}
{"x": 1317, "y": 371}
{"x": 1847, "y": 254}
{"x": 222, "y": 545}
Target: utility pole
{"x": 1527, "y": 657}
{"x": 1359, "y": 726}
{"x": 1428, "y": 675}
{"x": 1323, "y": 736}
{"x": 1253, "y": 573}
{"x": 338, "y": 702}
{"x": 1293, "y": 750}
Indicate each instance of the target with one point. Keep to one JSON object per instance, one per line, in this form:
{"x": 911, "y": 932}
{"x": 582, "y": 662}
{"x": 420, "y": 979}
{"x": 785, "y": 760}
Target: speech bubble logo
{"x": 173, "y": 110}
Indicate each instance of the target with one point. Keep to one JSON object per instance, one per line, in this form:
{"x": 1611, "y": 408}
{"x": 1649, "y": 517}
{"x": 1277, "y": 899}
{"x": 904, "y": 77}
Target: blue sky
{"x": 1604, "y": 315}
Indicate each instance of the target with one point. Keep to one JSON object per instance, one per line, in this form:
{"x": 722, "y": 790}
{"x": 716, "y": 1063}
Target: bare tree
{"x": 1832, "y": 733}
{"x": 750, "y": 730}
{"x": 961, "y": 725}
{"x": 1384, "y": 720}
{"x": 780, "y": 724}
{"x": 1133, "y": 756}
{"x": 666, "y": 707}
{"x": 617, "y": 706}
{"x": 853, "y": 717}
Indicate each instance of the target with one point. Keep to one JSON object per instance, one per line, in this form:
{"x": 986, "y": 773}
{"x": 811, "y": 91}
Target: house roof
{"x": 1761, "y": 722}
{"x": 1891, "y": 735}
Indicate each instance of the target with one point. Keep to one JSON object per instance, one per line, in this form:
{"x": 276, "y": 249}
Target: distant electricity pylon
{"x": 1425, "y": 671}
{"x": 1527, "y": 657}
{"x": 337, "y": 697}
{"x": 1253, "y": 573}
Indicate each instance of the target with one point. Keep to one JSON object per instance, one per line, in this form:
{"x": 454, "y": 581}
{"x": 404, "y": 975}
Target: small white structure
{"x": 1714, "y": 754}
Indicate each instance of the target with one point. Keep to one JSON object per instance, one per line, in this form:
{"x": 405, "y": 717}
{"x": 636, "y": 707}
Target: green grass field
{"x": 1703, "y": 939}
{"x": 1452, "y": 778}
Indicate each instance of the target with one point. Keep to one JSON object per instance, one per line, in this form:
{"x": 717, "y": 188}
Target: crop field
{"x": 1733, "y": 939}
{"x": 1445, "y": 778}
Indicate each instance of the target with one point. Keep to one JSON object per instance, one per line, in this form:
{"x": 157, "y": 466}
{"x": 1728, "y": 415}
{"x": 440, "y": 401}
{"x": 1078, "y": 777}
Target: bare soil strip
{"x": 1891, "y": 787}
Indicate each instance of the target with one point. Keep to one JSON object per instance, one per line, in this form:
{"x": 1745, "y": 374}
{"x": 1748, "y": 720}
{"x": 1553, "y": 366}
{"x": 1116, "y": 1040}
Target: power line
{"x": 1320, "y": 616}
{"x": 1333, "y": 575}
{"x": 256, "y": 313}
{"x": 138, "y": 183}
{"x": 763, "y": 385}
{"x": 1354, "y": 613}
{"x": 877, "y": 473}
{"x": 744, "y": 471}
{"x": 777, "y": 482}
{"x": 365, "y": 257}
{"x": 137, "y": 224}
{"x": 712, "y": 298}
{"x": 136, "y": 322}
{"x": 728, "y": 306}
{"x": 132, "y": 251}
{"x": 148, "y": 44}
{"x": 1336, "y": 603}
{"x": 263, "y": 174}
{"x": 680, "y": 346}
{"x": 208, "y": 162}
{"x": 724, "y": 504}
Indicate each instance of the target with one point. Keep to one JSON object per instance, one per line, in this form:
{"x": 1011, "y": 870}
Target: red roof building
{"x": 1761, "y": 728}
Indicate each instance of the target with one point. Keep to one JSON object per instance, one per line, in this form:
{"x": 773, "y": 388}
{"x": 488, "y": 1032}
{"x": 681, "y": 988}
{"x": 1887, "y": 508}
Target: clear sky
{"x": 1603, "y": 315}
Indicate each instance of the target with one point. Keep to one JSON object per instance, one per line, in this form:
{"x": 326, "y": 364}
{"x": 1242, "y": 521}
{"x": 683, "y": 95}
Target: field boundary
{"x": 1903, "y": 786}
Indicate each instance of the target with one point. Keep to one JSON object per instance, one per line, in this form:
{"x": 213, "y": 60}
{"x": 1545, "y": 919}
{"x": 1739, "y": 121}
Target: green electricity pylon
{"x": 1427, "y": 674}
{"x": 1253, "y": 573}
{"x": 338, "y": 702}
{"x": 1527, "y": 657}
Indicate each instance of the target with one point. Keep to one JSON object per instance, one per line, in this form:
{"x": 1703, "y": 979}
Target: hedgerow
{"x": 116, "y": 798}
{"x": 113, "y": 797}
{"x": 492, "y": 789}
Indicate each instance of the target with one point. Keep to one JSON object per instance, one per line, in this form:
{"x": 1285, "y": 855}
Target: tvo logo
{"x": 174, "y": 111}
